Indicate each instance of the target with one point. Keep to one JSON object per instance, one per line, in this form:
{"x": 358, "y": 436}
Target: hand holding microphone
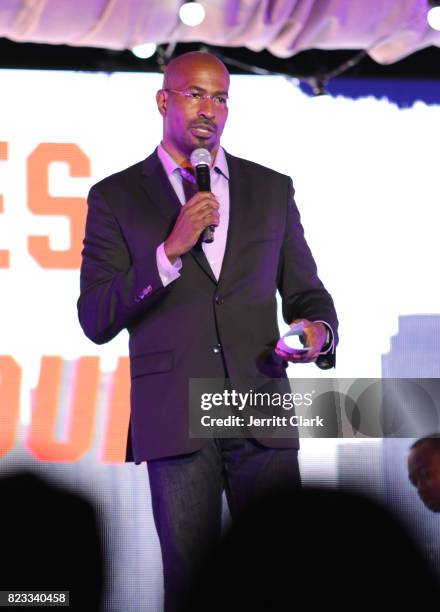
{"x": 198, "y": 215}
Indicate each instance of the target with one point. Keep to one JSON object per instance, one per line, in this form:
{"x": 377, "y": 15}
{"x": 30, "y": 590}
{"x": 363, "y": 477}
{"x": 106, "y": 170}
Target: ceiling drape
{"x": 388, "y": 29}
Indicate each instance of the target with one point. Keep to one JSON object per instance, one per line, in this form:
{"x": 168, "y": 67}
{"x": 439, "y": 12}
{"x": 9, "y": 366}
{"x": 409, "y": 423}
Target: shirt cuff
{"x": 329, "y": 346}
{"x": 168, "y": 272}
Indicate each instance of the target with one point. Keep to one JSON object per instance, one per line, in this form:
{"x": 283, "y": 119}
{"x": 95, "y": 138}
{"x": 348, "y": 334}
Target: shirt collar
{"x": 221, "y": 165}
{"x": 170, "y": 165}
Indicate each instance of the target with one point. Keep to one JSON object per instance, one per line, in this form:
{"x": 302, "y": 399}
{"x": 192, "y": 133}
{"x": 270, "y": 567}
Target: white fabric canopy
{"x": 389, "y": 29}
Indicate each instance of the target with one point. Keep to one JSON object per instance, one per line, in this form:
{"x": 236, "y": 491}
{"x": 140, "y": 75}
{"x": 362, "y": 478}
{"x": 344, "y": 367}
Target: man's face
{"x": 424, "y": 473}
{"x": 191, "y": 121}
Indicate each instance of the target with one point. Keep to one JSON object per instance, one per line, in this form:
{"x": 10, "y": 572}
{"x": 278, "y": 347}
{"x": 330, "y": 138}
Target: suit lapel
{"x": 161, "y": 193}
{"x": 159, "y": 189}
{"x": 200, "y": 257}
{"x": 238, "y": 195}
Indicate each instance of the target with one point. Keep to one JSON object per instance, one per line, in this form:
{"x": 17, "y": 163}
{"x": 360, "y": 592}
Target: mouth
{"x": 202, "y": 130}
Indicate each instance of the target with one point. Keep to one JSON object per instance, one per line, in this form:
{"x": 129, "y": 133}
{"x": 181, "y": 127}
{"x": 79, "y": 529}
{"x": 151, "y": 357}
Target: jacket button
{"x": 217, "y": 348}
{"x": 219, "y": 300}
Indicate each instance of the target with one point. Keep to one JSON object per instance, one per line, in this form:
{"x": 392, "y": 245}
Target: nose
{"x": 206, "y": 108}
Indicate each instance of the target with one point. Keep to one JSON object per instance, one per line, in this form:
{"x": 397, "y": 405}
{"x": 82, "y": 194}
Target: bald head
{"x": 194, "y": 61}
{"x": 193, "y": 104}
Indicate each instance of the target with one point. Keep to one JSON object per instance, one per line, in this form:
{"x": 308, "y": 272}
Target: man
{"x": 199, "y": 310}
{"x": 424, "y": 470}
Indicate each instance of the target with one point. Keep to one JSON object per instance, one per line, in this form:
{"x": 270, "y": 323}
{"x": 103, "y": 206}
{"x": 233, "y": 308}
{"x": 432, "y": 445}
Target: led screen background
{"x": 366, "y": 177}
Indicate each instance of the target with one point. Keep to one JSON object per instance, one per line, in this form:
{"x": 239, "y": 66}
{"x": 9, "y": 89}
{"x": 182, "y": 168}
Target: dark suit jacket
{"x": 176, "y": 331}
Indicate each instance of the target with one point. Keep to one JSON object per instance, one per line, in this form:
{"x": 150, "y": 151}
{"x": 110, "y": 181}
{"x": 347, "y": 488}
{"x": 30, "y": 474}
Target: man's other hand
{"x": 313, "y": 337}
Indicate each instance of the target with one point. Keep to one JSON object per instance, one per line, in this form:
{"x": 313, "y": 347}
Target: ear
{"x": 161, "y": 99}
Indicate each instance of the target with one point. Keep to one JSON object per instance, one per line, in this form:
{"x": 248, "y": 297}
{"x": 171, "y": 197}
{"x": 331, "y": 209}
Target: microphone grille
{"x": 200, "y": 157}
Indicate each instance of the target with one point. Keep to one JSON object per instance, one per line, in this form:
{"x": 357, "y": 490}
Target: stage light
{"x": 319, "y": 87}
{"x": 192, "y": 13}
{"x": 434, "y": 17}
{"x": 144, "y": 51}
{"x": 317, "y": 83}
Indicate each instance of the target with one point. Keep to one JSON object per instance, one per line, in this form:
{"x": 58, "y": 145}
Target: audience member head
{"x": 50, "y": 540}
{"x": 424, "y": 470}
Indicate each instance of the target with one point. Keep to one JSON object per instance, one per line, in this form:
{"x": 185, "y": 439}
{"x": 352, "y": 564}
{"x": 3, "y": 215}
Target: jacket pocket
{"x": 151, "y": 363}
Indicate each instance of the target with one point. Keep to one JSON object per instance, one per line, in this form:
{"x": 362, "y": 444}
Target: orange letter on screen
{"x": 10, "y": 379}
{"x": 80, "y": 425}
{"x": 41, "y": 203}
{"x": 118, "y": 415}
{"x": 4, "y": 255}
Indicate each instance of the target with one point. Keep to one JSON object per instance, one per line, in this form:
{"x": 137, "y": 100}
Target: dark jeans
{"x": 186, "y": 494}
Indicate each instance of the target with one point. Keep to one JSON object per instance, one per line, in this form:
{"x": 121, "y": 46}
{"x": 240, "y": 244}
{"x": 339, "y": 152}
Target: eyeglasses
{"x": 195, "y": 97}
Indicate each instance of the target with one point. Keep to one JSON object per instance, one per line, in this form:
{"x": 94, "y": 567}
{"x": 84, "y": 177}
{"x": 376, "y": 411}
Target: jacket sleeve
{"x": 302, "y": 292}
{"x": 115, "y": 288}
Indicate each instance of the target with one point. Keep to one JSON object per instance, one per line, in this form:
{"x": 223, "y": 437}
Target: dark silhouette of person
{"x": 329, "y": 548}
{"x": 424, "y": 470}
{"x": 50, "y": 541}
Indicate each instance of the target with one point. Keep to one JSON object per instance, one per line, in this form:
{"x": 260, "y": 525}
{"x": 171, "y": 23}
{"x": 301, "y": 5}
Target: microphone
{"x": 201, "y": 162}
